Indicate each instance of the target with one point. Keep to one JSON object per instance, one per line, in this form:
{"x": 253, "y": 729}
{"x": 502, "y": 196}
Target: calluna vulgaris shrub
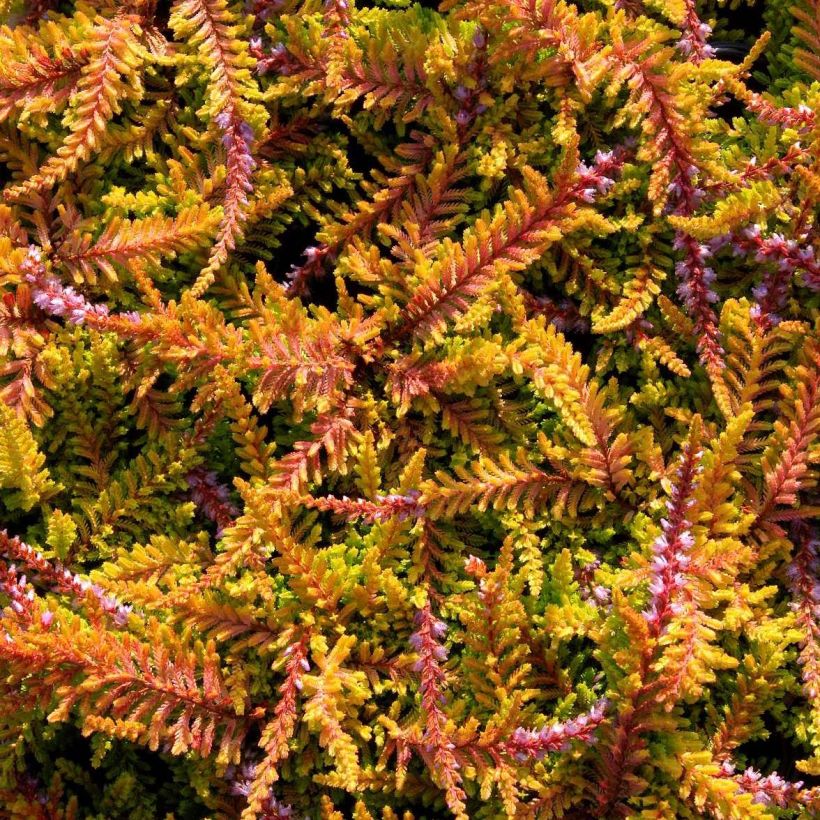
{"x": 409, "y": 412}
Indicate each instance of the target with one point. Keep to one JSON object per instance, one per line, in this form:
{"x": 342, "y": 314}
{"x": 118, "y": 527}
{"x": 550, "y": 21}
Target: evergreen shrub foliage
{"x": 409, "y": 412}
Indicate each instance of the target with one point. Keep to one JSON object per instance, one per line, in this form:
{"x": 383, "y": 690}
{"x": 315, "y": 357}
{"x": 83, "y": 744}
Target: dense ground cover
{"x": 409, "y": 411}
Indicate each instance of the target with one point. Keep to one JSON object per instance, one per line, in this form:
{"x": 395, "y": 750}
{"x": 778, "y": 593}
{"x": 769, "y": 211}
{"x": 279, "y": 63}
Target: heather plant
{"x": 409, "y": 411}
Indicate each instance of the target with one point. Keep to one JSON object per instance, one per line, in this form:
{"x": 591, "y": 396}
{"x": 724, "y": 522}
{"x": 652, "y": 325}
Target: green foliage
{"x": 409, "y": 412}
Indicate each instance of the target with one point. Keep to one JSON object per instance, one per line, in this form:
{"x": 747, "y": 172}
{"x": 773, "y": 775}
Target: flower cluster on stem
{"x": 804, "y": 577}
{"x": 212, "y": 498}
{"x": 772, "y": 789}
{"x": 671, "y": 548}
{"x": 695, "y": 288}
{"x": 54, "y": 298}
{"x": 427, "y": 641}
{"x": 62, "y": 579}
{"x": 786, "y": 255}
{"x": 18, "y": 591}
{"x": 526, "y": 744}
{"x": 597, "y": 179}
{"x": 237, "y": 138}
